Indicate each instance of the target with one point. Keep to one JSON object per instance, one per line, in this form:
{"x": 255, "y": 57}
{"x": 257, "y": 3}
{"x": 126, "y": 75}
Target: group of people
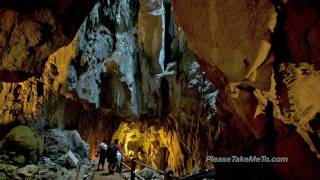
{"x": 112, "y": 152}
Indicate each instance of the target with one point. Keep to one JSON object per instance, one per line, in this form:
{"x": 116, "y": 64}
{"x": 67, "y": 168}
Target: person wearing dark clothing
{"x": 102, "y": 153}
{"x": 112, "y": 155}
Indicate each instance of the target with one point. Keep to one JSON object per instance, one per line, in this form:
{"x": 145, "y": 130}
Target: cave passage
{"x": 197, "y": 89}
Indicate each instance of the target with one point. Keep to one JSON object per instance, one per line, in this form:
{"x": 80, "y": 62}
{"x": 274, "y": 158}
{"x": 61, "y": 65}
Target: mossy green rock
{"x": 20, "y": 159}
{"x": 7, "y": 171}
{"x": 24, "y": 141}
{"x": 3, "y": 176}
{"x": 27, "y": 171}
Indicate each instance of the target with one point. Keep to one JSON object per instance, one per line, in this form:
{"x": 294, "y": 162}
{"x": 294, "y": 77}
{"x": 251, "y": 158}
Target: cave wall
{"x": 128, "y": 70}
{"x": 32, "y": 30}
{"x": 263, "y": 57}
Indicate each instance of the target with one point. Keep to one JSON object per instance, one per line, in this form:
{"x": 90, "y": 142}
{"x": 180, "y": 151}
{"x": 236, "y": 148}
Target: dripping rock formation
{"x": 129, "y": 74}
{"x": 264, "y": 58}
{"x": 173, "y": 80}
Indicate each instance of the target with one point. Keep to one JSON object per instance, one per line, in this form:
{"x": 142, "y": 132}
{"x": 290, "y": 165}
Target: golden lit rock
{"x": 150, "y": 26}
{"x": 152, "y": 145}
{"x": 235, "y": 36}
{"x": 23, "y": 100}
{"x": 32, "y": 30}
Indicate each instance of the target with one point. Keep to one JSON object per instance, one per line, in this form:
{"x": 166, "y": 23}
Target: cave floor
{"x": 103, "y": 175}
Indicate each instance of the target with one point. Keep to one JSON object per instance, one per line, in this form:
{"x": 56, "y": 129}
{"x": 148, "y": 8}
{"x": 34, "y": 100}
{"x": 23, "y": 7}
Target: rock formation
{"x": 32, "y": 30}
{"x": 128, "y": 66}
{"x": 25, "y": 143}
{"x": 129, "y": 74}
{"x": 65, "y": 155}
{"x": 263, "y": 57}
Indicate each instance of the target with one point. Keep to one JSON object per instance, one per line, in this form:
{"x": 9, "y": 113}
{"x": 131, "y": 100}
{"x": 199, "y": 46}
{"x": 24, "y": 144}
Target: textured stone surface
{"x": 268, "y": 102}
{"x": 303, "y": 31}
{"x": 32, "y": 30}
{"x": 234, "y": 35}
{"x": 60, "y": 163}
{"x": 58, "y": 142}
{"x": 151, "y": 141}
{"x": 129, "y": 64}
{"x": 108, "y": 75}
{"x": 25, "y": 141}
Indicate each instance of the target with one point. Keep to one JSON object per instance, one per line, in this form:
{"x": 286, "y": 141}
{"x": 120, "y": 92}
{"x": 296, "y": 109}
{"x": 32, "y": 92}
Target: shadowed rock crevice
{"x": 132, "y": 72}
{"x": 248, "y": 119}
{"x": 32, "y": 30}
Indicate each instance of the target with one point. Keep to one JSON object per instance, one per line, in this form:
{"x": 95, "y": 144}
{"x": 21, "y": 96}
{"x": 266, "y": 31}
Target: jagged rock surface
{"x": 57, "y": 141}
{"x": 263, "y": 57}
{"x": 65, "y": 157}
{"x": 25, "y": 143}
{"x": 32, "y": 30}
{"x": 128, "y": 63}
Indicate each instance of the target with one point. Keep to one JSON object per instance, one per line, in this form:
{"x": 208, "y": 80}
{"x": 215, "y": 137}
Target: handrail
{"x": 168, "y": 175}
{"x": 150, "y": 167}
{"x": 126, "y": 166}
{"x": 132, "y": 170}
{"x": 134, "y": 162}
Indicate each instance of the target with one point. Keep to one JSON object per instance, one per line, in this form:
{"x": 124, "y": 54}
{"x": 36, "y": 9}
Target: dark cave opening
{"x": 168, "y": 38}
{"x": 40, "y": 88}
{"x": 165, "y": 97}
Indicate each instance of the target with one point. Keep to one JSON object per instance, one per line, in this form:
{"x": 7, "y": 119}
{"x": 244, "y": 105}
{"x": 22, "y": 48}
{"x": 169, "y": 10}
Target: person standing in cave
{"x": 119, "y": 155}
{"x": 112, "y": 156}
{"x": 102, "y": 153}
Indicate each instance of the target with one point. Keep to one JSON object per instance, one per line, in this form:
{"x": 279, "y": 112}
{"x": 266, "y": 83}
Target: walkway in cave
{"x": 103, "y": 175}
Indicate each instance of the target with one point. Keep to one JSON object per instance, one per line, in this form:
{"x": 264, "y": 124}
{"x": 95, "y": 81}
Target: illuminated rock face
{"x": 237, "y": 41}
{"x": 128, "y": 70}
{"x": 264, "y": 58}
{"x": 32, "y": 30}
{"x": 156, "y": 146}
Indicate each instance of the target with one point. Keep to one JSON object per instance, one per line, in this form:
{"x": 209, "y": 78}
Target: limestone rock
{"x": 27, "y": 171}
{"x": 7, "y": 168}
{"x": 32, "y": 30}
{"x": 58, "y": 142}
{"x": 255, "y": 53}
{"x": 150, "y": 174}
{"x": 302, "y": 32}
{"x": 127, "y": 58}
{"x": 20, "y": 159}
{"x": 50, "y": 170}
{"x": 151, "y": 145}
{"x": 23, "y": 140}
{"x": 4, "y": 176}
{"x": 234, "y": 35}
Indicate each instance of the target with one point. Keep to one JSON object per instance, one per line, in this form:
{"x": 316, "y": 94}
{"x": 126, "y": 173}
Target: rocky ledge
{"x": 55, "y": 154}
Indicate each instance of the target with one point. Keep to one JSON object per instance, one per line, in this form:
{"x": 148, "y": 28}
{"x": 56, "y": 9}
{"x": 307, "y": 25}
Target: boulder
{"x": 68, "y": 160}
{"x": 7, "y": 171}
{"x": 51, "y": 170}
{"x": 3, "y": 176}
{"x": 19, "y": 159}
{"x": 58, "y": 142}
{"x": 7, "y": 168}
{"x": 24, "y": 141}
{"x": 147, "y": 173}
{"x": 72, "y": 160}
{"x": 27, "y": 171}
